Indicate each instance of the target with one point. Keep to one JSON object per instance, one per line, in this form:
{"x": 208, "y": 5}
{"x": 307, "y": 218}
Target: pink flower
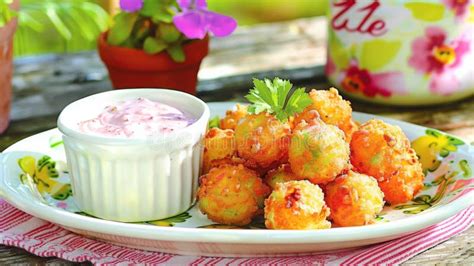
{"x": 461, "y": 183}
{"x": 445, "y": 83}
{"x": 460, "y": 7}
{"x": 62, "y": 205}
{"x": 433, "y": 54}
{"x": 360, "y": 80}
{"x": 195, "y": 21}
{"x": 131, "y": 5}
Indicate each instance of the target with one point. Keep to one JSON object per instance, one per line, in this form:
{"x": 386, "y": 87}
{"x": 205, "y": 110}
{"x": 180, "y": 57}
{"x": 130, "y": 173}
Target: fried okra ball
{"x": 354, "y": 199}
{"x": 383, "y": 151}
{"x": 406, "y": 183}
{"x": 231, "y": 194}
{"x": 377, "y": 148}
{"x": 232, "y": 117}
{"x": 296, "y": 205}
{"x": 332, "y": 109}
{"x": 219, "y": 145}
{"x": 262, "y": 140}
{"x": 280, "y": 175}
{"x": 318, "y": 152}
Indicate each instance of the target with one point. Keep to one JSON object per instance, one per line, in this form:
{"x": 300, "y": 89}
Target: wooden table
{"x": 293, "y": 50}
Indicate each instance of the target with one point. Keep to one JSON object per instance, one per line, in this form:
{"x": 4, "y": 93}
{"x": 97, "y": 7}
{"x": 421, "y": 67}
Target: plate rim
{"x": 234, "y": 236}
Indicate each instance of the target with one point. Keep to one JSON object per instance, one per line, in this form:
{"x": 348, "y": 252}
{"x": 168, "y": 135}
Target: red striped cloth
{"x": 49, "y": 240}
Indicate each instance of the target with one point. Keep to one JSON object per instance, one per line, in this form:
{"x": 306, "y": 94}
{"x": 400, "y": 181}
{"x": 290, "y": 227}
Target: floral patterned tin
{"x": 402, "y": 52}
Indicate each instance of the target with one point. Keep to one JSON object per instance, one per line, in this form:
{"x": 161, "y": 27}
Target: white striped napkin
{"x": 49, "y": 240}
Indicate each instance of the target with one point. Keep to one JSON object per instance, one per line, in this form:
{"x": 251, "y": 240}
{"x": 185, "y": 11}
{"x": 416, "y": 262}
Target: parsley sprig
{"x": 277, "y": 97}
{"x": 214, "y": 122}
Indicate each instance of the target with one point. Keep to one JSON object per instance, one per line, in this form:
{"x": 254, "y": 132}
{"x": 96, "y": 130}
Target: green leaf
{"x": 85, "y": 214}
{"x": 214, "y": 122}
{"x": 162, "y": 16}
{"x": 122, "y": 29}
{"x": 32, "y": 22}
{"x": 443, "y": 152}
{"x": 56, "y": 144}
{"x": 153, "y": 46}
{"x": 466, "y": 169}
{"x": 84, "y": 20}
{"x": 378, "y": 53}
{"x": 140, "y": 35}
{"x": 262, "y": 92}
{"x": 58, "y": 23}
{"x": 426, "y": 11}
{"x": 455, "y": 141}
{"x": 77, "y": 20}
{"x": 176, "y": 52}
{"x": 171, "y": 221}
{"x": 63, "y": 193}
{"x": 168, "y": 32}
{"x": 6, "y": 13}
{"x": 285, "y": 87}
{"x": 422, "y": 199}
{"x": 276, "y": 98}
{"x": 96, "y": 14}
{"x": 150, "y": 8}
{"x": 433, "y": 133}
{"x": 298, "y": 101}
{"x": 260, "y": 97}
{"x": 158, "y": 10}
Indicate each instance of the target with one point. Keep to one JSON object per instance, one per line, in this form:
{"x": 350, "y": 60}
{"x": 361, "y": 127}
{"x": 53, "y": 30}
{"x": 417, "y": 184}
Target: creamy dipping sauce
{"x": 136, "y": 118}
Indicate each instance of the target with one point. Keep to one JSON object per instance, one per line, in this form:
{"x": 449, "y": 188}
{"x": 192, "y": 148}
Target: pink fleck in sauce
{"x": 136, "y": 118}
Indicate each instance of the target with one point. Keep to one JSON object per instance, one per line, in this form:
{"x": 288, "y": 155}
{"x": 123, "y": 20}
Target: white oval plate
{"x": 447, "y": 191}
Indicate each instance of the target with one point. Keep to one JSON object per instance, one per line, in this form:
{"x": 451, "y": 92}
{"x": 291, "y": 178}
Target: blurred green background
{"x": 59, "y": 26}
{"x": 249, "y": 12}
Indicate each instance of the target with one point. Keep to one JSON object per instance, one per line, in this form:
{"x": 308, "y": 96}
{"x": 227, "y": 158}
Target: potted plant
{"x": 8, "y": 23}
{"x": 160, "y": 43}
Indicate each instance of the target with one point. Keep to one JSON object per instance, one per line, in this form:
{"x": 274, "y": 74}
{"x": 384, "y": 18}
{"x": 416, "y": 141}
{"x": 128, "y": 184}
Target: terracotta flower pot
{"x": 133, "y": 68}
{"x": 6, "y": 69}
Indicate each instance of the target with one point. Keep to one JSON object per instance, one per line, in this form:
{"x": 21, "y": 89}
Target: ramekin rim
{"x": 76, "y": 134}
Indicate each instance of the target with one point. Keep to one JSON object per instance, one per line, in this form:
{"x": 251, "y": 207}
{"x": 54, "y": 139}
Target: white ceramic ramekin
{"x": 134, "y": 179}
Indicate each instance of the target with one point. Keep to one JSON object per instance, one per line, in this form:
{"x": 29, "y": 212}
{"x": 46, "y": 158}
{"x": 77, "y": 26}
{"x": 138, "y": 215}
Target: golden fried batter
{"x": 232, "y": 117}
{"x": 296, "y": 205}
{"x": 262, "y": 140}
{"x": 332, "y": 109}
{"x": 383, "y": 151}
{"x": 406, "y": 183}
{"x": 231, "y": 194}
{"x": 219, "y": 145}
{"x": 357, "y": 166}
{"x": 376, "y": 148}
{"x": 318, "y": 152}
{"x": 280, "y": 175}
{"x": 354, "y": 199}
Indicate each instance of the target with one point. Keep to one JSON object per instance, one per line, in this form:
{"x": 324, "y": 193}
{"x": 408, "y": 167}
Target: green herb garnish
{"x": 214, "y": 122}
{"x": 277, "y": 98}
